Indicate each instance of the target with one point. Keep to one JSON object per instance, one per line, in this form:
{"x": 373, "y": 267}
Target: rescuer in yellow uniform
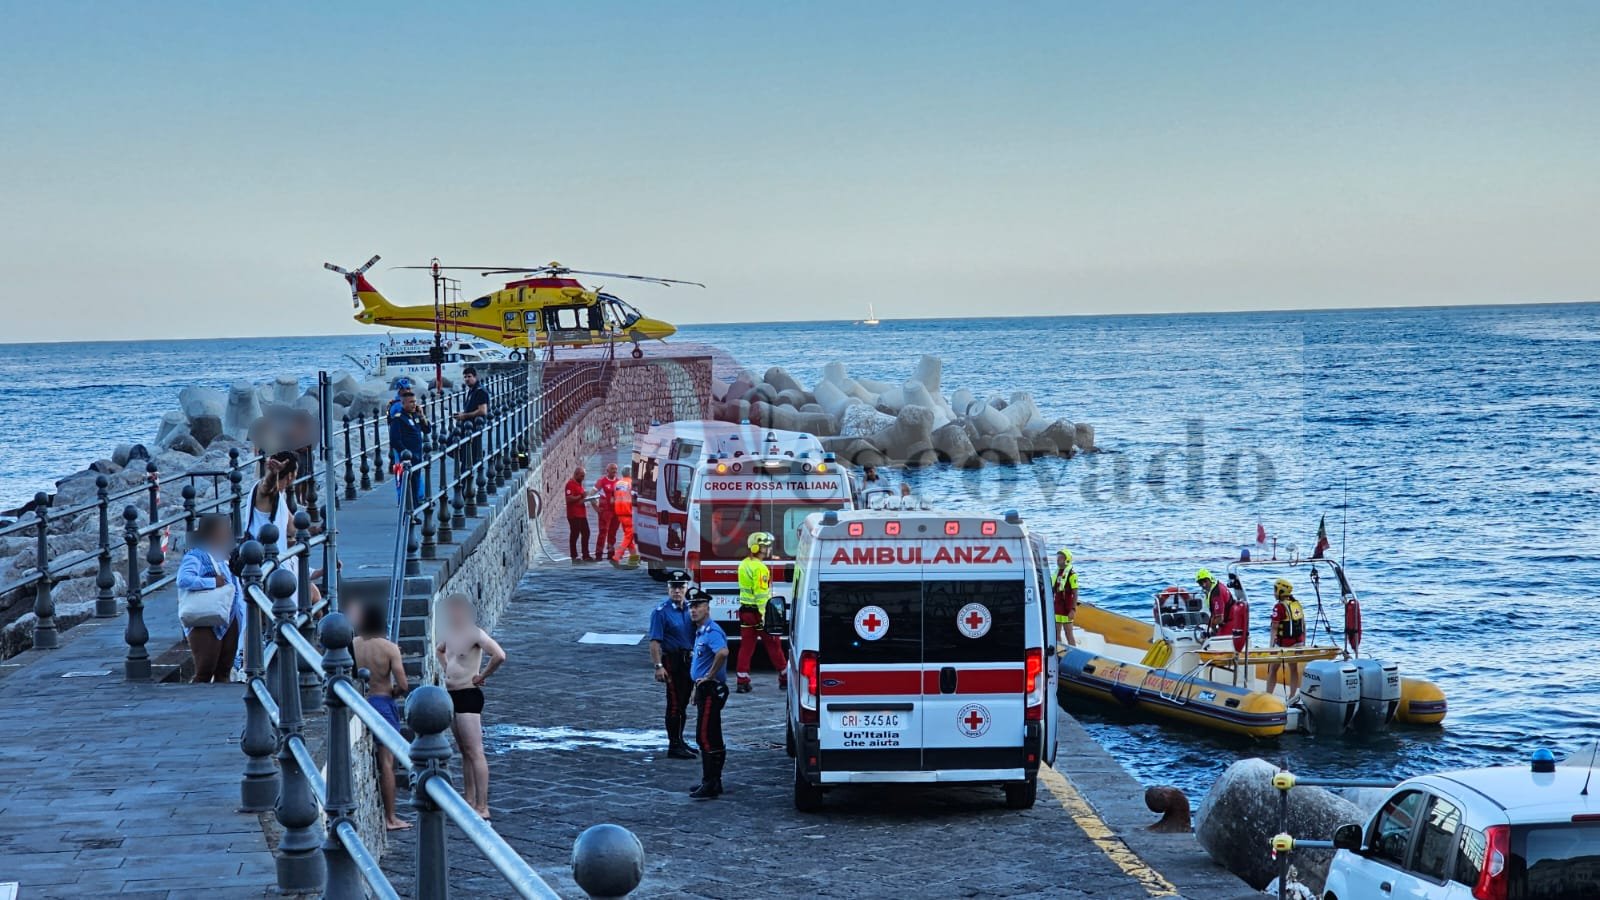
{"x": 755, "y": 589}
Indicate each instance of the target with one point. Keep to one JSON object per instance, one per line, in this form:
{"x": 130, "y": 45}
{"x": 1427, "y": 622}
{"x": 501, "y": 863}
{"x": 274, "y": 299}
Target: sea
{"x": 1451, "y": 454}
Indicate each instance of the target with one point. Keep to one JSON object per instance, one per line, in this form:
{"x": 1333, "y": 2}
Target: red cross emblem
{"x": 973, "y": 620}
{"x": 872, "y": 622}
{"x": 973, "y": 720}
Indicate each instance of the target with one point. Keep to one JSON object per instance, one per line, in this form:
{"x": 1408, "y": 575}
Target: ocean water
{"x": 1455, "y": 453}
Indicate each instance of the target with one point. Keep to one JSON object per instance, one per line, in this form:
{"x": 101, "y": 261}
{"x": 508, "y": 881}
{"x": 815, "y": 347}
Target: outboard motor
{"x": 1380, "y": 693}
{"x": 1330, "y": 691}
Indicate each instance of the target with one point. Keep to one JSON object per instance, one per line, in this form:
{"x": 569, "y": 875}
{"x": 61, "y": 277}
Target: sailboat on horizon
{"x": 872, "y": 317}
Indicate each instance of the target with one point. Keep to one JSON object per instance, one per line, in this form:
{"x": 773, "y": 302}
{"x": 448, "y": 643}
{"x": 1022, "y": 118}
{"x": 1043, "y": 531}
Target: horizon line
{"x": 1496, "y": 304}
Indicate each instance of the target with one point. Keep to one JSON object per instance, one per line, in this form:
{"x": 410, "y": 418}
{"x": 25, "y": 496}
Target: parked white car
{"x": 1503, "y": 833}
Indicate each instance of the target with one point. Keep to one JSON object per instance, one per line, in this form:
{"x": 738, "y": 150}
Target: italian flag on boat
{"x": 1322, "y": 538}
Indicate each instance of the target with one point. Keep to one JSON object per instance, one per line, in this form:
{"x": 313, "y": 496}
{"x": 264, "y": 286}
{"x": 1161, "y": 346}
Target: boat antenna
{"x": 1585, "y": 791}
{"x": 1344, "y": 528}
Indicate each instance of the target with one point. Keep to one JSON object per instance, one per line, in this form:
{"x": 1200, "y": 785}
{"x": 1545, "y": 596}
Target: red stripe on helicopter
{"x": 364, "y": 286}
{"x": 452, "y": 324}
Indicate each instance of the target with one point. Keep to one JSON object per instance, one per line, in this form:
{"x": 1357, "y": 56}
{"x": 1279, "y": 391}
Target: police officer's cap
{"x": 698, "y": 596}
{"x": 677, "y": 578}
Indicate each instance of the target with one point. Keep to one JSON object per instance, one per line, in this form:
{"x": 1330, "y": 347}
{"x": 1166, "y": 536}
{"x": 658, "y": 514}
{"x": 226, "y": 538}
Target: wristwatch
{"x": 660, "y": 666}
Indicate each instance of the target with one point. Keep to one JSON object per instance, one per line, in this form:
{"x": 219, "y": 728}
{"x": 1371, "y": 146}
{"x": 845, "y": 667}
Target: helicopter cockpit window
{"x": 624, "y": 314}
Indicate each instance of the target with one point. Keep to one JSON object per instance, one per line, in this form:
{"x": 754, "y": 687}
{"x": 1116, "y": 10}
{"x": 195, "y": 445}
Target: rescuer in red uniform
{"x": 1229, "y": 615}
{"x": 1288, "y": 630}
{"x": 1065, "y": 588}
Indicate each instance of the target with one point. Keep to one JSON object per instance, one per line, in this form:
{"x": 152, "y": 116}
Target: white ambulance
{"x": 922, "y": 653}
{"x": 668, "y": 459}
{"x": 734, "y": 495}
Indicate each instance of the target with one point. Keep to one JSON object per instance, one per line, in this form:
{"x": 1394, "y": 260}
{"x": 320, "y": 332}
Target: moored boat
{"x": 1177, "y": 666}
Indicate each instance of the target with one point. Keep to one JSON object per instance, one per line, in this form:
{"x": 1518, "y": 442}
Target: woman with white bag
{"x": 210, "y": 600}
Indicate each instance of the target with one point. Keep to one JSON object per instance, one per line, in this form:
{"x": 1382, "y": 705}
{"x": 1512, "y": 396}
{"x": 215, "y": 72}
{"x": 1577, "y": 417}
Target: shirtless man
{"x": 387, "y": 680}
{"x": 461, "y": 654}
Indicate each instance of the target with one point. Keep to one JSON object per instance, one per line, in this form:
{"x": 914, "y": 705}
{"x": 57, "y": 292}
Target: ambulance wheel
{"x": 807, "y": 796}
{"x": 1022, "y": 796}
{"x": 788, "y": 739}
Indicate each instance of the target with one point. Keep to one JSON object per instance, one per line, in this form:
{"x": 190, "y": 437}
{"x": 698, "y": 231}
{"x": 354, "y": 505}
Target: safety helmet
{"x": 1203, "y": 575}
{"x": 1282, "y": 588}
{"x": 402, "y": 383}
{"x": 760, "y": 539}
{"x": 1064, "y": 552}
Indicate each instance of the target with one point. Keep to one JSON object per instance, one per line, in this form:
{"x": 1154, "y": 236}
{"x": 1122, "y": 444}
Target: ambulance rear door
{"x": 869, "y": 654}
{"x": 976, "y": 627}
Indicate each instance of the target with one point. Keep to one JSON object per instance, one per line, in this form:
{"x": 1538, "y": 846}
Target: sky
{"x": 184, "y": 169}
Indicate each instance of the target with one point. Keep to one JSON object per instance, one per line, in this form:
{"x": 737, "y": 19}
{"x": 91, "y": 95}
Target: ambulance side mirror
{"x": 777, "y": 621}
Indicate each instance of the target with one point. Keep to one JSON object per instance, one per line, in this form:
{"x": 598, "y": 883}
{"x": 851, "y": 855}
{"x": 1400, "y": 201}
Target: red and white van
{"x": 665, "y": 460}
{"x": 922, "y": 653}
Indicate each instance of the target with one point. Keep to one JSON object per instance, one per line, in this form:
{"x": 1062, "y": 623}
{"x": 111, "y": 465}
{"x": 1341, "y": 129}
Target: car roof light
{"x": 988, "y": 529}
{"x": 891, "y": 528}
{"x": 952, "y": 528}
{"x": 856, "y": 529}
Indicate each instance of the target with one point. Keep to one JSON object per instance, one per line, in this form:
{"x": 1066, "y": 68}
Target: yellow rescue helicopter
{"x": 542, "y": 307}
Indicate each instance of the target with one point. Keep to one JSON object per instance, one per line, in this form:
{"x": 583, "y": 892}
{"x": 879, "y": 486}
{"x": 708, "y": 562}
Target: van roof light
{"x": 1013, "y": 517}
{"x": 830, "y": 518}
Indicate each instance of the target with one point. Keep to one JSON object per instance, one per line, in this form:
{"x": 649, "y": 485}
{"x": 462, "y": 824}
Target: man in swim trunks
{"x": 386, "y": 680}
{"x": 460, "y": 653}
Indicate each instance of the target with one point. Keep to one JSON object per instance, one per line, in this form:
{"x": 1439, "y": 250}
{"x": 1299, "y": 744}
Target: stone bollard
{"x": 429, "y": 712}
{"x": 1173, "y": 806}
{"x": 607, "y": 861}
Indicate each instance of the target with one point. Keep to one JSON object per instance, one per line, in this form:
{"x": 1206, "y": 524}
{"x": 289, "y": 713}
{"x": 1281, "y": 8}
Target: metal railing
{"x": 321, "y": 848}
{"x": 1283, "y": 844}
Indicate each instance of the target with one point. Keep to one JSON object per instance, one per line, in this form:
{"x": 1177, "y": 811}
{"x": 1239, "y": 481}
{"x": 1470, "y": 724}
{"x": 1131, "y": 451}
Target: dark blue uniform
{"x": 671, "y": 627}
{"x": 709, "y": 698}
{"x": 405, "y": 436}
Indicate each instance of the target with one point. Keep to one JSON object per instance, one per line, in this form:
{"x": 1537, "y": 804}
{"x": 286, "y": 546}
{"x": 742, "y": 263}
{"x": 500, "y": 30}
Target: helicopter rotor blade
{"x": 333, "y": 268}
{"x": 367, "y": 265}
{"x": 665, "y": 282}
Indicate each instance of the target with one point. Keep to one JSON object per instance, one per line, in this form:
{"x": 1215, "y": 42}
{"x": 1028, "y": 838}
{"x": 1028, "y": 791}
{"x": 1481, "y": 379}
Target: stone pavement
{"x": 575, "y": 739}
{"x": 121, "y": 789}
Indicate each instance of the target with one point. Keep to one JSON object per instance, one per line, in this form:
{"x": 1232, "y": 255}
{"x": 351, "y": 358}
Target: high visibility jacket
{"x": 1288, "y": 622}
{"x": 1065, "y": 586}
{"x": 755, "y": 584}
{"x": 622, "y": 498}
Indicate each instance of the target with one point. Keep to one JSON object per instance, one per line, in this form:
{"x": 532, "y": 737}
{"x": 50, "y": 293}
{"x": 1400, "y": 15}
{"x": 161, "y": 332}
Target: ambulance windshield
{"x": 725, "y": 529}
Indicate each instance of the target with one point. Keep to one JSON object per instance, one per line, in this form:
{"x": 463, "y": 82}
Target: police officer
{"x": 755, "y": 590}
{"x": 708, "y": 667}
{"x": 671, "y": 640}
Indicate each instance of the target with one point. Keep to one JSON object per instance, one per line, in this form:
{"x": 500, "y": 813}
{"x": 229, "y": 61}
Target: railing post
{"x": 429, "y": 712}
{"x": 44, "y": 605}
{"x": 137, "y": 666}
{"x": 408, "y": 485}
{"x": 188, "y": 516}
{"x": 344, "y": 878}
{"x": 481, "y": 465}
{"x": 349, "y": 464}
{"x": 469, "y": 493}
{"x": 235, "y": 492}
{"x": 301, "y": 869}
{"x": 258, "y": 790}
{"x": 366, "y": 470}
{"x": 378, "y": 467}
{"x": 310, "y": 679}
{"x": 441, "y": 498}
{"x": 105, "y": 601}
{"x": 313, "y": 496}
{"x": 268, "y": 536}
{"x": 154, "y": 556}
{"x": 458, "y": 513}
{"x": 424, "y": 474}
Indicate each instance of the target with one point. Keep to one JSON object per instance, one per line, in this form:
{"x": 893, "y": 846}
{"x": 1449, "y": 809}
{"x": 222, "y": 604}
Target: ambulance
{"x": 922, "y": 653}
{"x": 733, "y": 496}
{"x": 666, "y": 462}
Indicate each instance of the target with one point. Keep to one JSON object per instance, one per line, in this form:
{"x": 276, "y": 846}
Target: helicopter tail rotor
{"x": 353, "y": 278}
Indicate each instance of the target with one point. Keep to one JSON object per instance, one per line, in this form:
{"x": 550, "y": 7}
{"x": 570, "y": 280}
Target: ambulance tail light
{"x": 691, "y": 561}
{"x": 1033, "y": 684}
{"x": 808, "y": 687}
{"x": 1494, "y": 878}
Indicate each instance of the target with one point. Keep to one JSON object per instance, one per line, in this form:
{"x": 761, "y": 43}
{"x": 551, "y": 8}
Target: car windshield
{"x": 725, "y": 528}
{"x": 1556, "y": 862}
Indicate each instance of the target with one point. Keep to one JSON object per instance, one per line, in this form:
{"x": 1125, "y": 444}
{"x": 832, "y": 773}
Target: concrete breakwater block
{"x": 1239, "y": 816}
{"x": 871, "y": 414}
